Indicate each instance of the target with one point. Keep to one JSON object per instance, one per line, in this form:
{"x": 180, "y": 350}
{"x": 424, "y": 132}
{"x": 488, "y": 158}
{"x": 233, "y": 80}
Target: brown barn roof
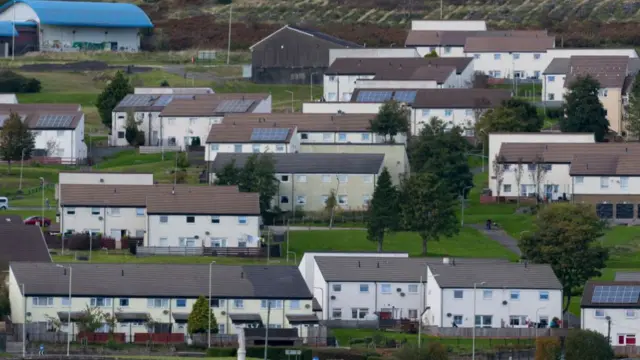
{"x": 460, "y": 98}
{"x": 458, "y": 38}
{"x": 388, "y": 66}
{"x": 509, "y": 44}
{"x": 610, "y": 71}
{"x": 562, "y": 153}
{"x": 605, "y": 165}
{"x": 208, "y": 105}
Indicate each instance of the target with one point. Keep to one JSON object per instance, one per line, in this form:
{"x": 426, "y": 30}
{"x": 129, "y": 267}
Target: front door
{"x": 116, "y": 234}
{"x": 154, "y": 138}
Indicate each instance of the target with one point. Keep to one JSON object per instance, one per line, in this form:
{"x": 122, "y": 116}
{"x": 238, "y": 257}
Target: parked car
{"x": 4, "y": 203}
{"x": 36, "y": 220}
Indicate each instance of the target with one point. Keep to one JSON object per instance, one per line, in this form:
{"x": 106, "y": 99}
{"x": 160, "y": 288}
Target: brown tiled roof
{"x": 439, "y": 74}
{"x": 589, "y": 287}
{"x": 205, "y": 105}
{"x": 170, "y": 199}
{"x": 20, "y": 108}
{"x": 387, "y": 67}
{"x": 458, "y": 38}
{"x": 509, "y": 44}
{"x": 460, "y": 98}
{"x": 610, "y": 71}
{"x": 605, "y": 165}
{"x": 228, "y": 132}
{"x": 19, "y": 242}
{"x": 303, "y": 122}
{"x": 562, "y": 153}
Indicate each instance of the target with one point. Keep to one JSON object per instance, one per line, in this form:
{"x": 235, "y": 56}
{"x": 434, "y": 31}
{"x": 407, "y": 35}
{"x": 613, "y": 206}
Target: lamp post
{"x": 21, "y": 167}
{"x": 473, "y": 332}
{"x": 209, "y": 308}
{"x": 462, "y": 204}
{"x": 24, "y": 324}
{"x": 290, "y": 92}
{"x": 42, "y": 218}
{"x": 484, "y": 143}
{"x": 69, "y": 309}
{"x": 311, "y": 87}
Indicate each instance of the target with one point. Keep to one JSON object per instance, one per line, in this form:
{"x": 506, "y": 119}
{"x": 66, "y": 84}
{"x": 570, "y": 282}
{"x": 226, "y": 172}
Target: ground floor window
{"x": 484, "y": 321}
{"x": 517, "y": 320}
{"x": 626, "y": 339}
{"x": 604, "y": 210}
{"x": 359, "y": 313}
{"x": 624, "y": 211}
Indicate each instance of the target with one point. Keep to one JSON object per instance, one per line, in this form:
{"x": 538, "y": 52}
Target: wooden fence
{"x": 158, "y": 149}
{"x": 502, "y": 333}
{"x": 630, "y": 350}
{"x": 201, "y": 251}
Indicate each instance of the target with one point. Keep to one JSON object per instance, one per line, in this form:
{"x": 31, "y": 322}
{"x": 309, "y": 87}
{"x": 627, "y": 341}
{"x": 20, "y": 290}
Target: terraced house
{"x": 271, "y": 296}
{"x": 164, "y": 215}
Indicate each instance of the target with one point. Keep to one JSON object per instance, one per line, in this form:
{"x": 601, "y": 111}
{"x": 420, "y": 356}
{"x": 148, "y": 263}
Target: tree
{"x": 229, "y": 175}
{"x": 519, "y": 171}
{"x": 182, "y": 161}
{"x": 583, "y": 109}
{"x": 331, "y": 202}
{"x": 632, "y": 124}
{"x": 112, "y": 94}
{"x": 383, "y": 213}
{"x": 530, "y": 119}
{"x": 566, "y": 237}
{"x": 514, "y": 115}
{"x": 442, "y": 152}
{"x": 131, "y": 131}
{"x": 15, "y": 138}
{"x": 90, "y": 319}
{"x": 432, "y": 54}
{"x": 427, "y": 207}
{"x": 164, "y": 83}
{"x": 587, "y": 345}
{"x": 548, "y": 348}
{"x": 52, "y": 147}
{"x": 498, "y": 172}
{"x": 537, "y": 172}
{"x": 198, "y": 320}
{"x": 392, "y": 119}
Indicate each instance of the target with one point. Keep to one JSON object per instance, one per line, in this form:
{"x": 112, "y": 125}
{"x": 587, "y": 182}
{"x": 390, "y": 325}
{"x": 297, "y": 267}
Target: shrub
{"x": 222, "y": 352}
{"x": 587, "y": 345}
{"x": 11, "y": 82}
{"x": 548, "y": 349}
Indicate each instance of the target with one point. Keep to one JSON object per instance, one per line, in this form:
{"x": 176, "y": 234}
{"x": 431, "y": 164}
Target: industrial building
{"x": 74, "y": 25}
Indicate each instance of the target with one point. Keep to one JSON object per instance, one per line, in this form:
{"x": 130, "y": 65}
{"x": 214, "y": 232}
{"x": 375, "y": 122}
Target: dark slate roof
{"x": 561, "y": 153}
{"x": 591, "y": 164}
{"x": 589, "y": 287}
{"x": 19, "y": 242}
{"x": 375, "y": 269}
{"x": 310, "y": 163}
{"x": 509, "y": 43}
{"x": 557, "y": 66}
{"x": 627, "y": 276}
{"x": 144, "y": 280}
{"x": 496, "y": 275}
{"x": 460, "y": 98}
{"x": 389, "y": 67}
{"x": 327, "y": 37}
{"x": 10, "y": 219}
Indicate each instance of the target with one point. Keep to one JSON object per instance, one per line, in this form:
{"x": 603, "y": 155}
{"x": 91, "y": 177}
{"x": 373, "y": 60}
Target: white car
{"x": 4, "y": 203}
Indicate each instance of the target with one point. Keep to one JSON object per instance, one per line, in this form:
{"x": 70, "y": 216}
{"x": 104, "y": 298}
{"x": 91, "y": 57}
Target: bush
{"x": 276, "y": 353}
{"x": 587, "y": 345}
{"x": 222, "y": 352}
{"x": 11, "y": 82}
{"x": 548, "y": 349}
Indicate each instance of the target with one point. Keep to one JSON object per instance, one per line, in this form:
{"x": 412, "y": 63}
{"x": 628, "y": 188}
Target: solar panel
{"x": 234, "y": 106}
{"x": 374, "y": 96}
{"x": 138, "y": 100}
{"x": 269, "y": 134}
{"x": 405, "y": 96}
{"x": 163, "y": 100}
{"x": 616, "y": 294}
{"x": 54, "y": 121}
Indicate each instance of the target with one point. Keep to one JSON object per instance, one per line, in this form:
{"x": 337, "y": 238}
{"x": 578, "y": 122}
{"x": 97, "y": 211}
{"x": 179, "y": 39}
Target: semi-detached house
{"x": 164, "y": 215}
{"x": 265, "y": 295}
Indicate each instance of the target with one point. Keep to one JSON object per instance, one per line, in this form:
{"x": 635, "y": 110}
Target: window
{"x": 301, "y": 178}
{"x": 191, "y": 219}
{"x": 164, "y": 219}
{"x": 324, "y": 199}
{"x": 551, "y": 97}
{"x": 367, "y": 179}
{"x": 448, "y": 112}
{"x": 114, "y": 211}
{"x": 457, "y": 294}
{"x": 336, "y": 313}
{"x": 516, "y": 56}
{"x": 124, "y": 302}
{"x": 517, "y": 320}
{"x": 413, "y": 289}
{"x": 484, "y": 321}
{"x": 71, "y": 211}
{"x": 603, "y": 92}
{"x": 343, "y": 179}
{"x": 284, "y": 178}
{"x": 536, "y": 56}
{"x": 158, "y": 303}
{"x": 336, "y": 287}
{"x": 366, "y": 199}
{"x": 447, "y": 49}
{"x": 327, "y": 137}
{"x": 279, "y": 148}
{"x": 514, "y": 295}
{"x": 221, "y": 329}
{"x": 42, "y": 301}
{"x": 181, "y": 303}
{"x": 326, "y": 178}
{"x": 497, "y": 56}
{"x": 579, "y": 179}
{"x": 359, "y": 313}
{"x": 476, "y": 56}
{"x": 120, "y": 134}
{"x": 469, "y": 132}
{"x": 604, "y": 182}
{"x": 304, "y": 136}
{"x": 101, "y": 302}
{"x": 95, "y": 211}
{"x": 237, "y": 148}
{"x": 294, "y": 304}
{"x": 163, "y": 241}
{"x": 214, "y": 147}
{"x": 507, "y": 188}
{"x": 457, "y": 319}
{"x": 487, "y": 294}
{"x": 140, "y": 233}
{"x": 216, "y": 303}
{"x": 255, "y": 148}
{"x": 630, "y": 313}
{"x": 364, "y": 288}
{"x": 331, "y": 96}
{"x": 140, "y": 212}
{"x": 301, "y": 199}
{"x": 332, "y": 78}
{"x": 413, "y": 314}
{"x": 242, "y": 243}
{"x": 284, "y": 199}
{"x": 627, "y": 339}
{"x": 343, "y": 200}
{"x": 342, "y": 137}
{"x": 536, "y": 74}
{"x": 365, "y": 136}
{"x": 551, "y": 78}
{"x": 242, "y": 220}
{"x": 624, "y": 183}
{"x": 215, "y": 219}
{"x": 66, "y": 302}
{"x": 425, "y": 113}
{"x": 274, "y": 304}
{"x": 384, "y": 288}
{"x": 543, "y": 295}
{"x": 598, "y": 313}
{"x": 238, "y": 303}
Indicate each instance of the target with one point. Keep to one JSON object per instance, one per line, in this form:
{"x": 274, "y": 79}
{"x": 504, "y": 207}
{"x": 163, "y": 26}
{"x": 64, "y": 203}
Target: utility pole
{"x": 266, "y": 329}
{"x": 13, "y": 33}
{"x": 21, "y": 167}
{"x": 608, "y": 329}
{"x": 334, "y": 205}
{"x": 229, "y": 41}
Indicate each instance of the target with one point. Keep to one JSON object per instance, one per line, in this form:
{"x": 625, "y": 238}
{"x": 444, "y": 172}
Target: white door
{"x": 115, "y": 233}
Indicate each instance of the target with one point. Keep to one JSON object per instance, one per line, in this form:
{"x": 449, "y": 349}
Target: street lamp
{"x": 69, "y": 309}
{"x": 42, "y": 218}
{"x": 473, "y": 332}
{"x": 290, "y": 92}
{"x": 484, "y": 143}
{"x": 209, "y": 307}
{"x": 462, "y": 204}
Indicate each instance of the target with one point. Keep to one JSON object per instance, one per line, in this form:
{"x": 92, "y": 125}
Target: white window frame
{"x": 214, "y": 147}
{"x": 599, "y": 313}
{"x": 294, "y": 304}
{"x": 604, "y": 182}
{"x": 243, "y": 220}
{"x": 238, "y": 304}
{"x": 630, "y": 314}
{"x": 275, "y": 304}
{"x": 95, "y": 211}
{"x": 106, "y": 302}
{"x": 326, "y": 178}
{"x": 412, "y": 289}
{"x": 365, "y": 137}
{"x": 458, "y": 292}
{"x": 336, "y": 287}
{"x": 37, "y": 300}
{"x": 70, "y": 211}
{"x": 487, "y": 294}
{"x": 367, "y": 179}
{"x": 542, "y": 294}
{"x": 301, "y": 200}
{"x": 301, "y": 178}
{"x": 114, "y": 211}
{"x": 343, "y": 178}
{"x": 579, "y": 179}
{"x": 158, "y": 303}
{"x": 385, "y": 288}
{"x": 363, "y": 288}
{"x": 336, "y": 313}
{"x": 624, "y": 183}
{"x": 514, "y": 295}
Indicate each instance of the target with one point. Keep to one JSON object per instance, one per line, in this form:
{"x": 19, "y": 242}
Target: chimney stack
{"x": 242, "y": 275}
{"x": 378, "y": 265}
{"x": 122, "y": 272}
{"x": 358, "y": 263}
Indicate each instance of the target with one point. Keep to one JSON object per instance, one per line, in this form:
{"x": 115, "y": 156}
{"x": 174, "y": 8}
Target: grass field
{"x": 125, "y": 58}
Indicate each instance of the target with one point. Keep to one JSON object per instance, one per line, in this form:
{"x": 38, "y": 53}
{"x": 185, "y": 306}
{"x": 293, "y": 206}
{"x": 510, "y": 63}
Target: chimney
{"x": 453, "y": 262}
{"x": 274, "y": 124}
{"x": 242, "y": 275}
{"x": 626, "y": 149}
{"x": 587, "y": 165}
{"x": 378, "y": 265}
{"x": 358, "y": 263}
{"x": 115, "y": 190}
{"x": 65, "y": 271}
{"x": 173, "y": 190}
{"x": 526, "y": 263}
{"x": 193, "y": 97}
{"x": 122, "y": 272}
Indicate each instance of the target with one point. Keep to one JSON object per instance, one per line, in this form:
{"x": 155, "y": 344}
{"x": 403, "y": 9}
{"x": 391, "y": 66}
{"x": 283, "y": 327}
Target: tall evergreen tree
{"x": 112, "y": 94}
{"x": 584, "y": 111}
{"x": 198, "y": 319}
{"x": 383, "y": 209}
{"x": 15, "y": 137}
{"x": 392, "y": 119}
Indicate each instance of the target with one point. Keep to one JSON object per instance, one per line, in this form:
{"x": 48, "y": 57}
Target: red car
{"x": 35, "y": 220}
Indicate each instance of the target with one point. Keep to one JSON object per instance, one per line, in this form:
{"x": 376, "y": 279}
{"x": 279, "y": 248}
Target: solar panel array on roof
{"x": 615, "y": 294}
{"x": 54, "y": 121}
{"x": 405, "y": 96}
{"x": 271, "y": 134}
{"x": 138, "y": 100}
{"x": 163, "y": 100}
{"x": 374, "y": 96}
{"x": 234, "y": 106}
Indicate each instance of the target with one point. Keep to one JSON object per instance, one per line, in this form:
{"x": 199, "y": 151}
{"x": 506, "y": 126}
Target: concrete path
{"x": 501, "y": 237}
{"x": 310, "y": 228}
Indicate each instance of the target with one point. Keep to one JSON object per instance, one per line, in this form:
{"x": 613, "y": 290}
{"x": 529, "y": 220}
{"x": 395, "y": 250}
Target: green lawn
{"x": 118, "y": 257}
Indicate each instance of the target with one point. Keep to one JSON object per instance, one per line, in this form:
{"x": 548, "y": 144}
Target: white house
{"x": 134, "y": 294}
{"x": 71, "y": 25}
{"x": 611, "y": 308}
{"x": 496, "y": 141}
{"x": 341, "y": 108}
{"x": 362, "y": 53}
{"x": 503, "y": 294}
{"x": 164, "y": 215}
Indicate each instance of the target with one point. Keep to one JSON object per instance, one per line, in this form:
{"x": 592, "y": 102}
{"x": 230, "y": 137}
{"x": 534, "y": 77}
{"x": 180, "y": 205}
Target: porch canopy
{"x": 302, "y": 319}
{"x": 246, "y": 318}
{"x": 132, "y": 316}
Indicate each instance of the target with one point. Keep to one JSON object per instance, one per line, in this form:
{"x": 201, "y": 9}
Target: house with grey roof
{"x": 20, "y": 242}
{"x": 306, "y": 180}
{"x": 491, "y": 295}
{"x": 260, "y": 295}
{"x": 363, "y": 286}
